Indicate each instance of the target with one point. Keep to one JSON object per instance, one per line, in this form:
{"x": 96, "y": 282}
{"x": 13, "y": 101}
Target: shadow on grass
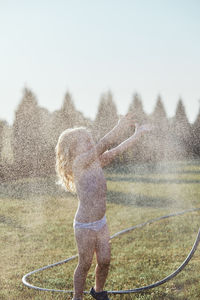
{"x": 29, "y": 188}
{"x": 130, "y": 199}
{"x": 9, "y": 222}
{"x": 157, "y": 168}
{"x": 152, "y": 180}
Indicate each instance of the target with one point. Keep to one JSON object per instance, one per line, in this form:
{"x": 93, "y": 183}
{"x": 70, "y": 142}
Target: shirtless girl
{"x": 79, "y": 163}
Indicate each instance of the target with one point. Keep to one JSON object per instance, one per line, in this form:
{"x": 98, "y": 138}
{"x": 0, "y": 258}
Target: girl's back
{"x": 91, "y": 191}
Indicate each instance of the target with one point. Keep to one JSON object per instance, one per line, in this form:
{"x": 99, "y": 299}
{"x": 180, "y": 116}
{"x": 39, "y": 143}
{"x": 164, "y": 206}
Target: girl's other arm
{"x": 125, "y": 123}
{"x": 107, "y": 157}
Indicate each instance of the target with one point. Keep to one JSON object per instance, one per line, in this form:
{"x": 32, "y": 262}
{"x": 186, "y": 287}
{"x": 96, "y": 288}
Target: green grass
{"x": 36, "y": 219}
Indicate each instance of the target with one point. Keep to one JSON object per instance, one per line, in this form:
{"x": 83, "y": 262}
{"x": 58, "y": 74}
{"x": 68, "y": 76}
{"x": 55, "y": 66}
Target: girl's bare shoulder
{"x": 80, "y": 165}
{"x": 84, "y": 160}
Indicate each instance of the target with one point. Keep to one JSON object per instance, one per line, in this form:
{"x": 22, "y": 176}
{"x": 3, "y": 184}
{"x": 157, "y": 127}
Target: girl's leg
{"x": 86, "y": 240}
{"x": 103, "y": 251}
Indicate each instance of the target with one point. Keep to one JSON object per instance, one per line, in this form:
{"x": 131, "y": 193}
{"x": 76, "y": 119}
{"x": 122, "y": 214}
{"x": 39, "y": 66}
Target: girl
{"x": 79, "y": 163}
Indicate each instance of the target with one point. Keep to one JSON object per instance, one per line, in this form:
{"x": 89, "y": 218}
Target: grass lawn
{"x": 36, "y": 219}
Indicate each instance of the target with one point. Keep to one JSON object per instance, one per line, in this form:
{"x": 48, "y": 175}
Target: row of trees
{"x": 35, "y": 131}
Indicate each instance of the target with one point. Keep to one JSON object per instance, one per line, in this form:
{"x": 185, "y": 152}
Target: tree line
{"x": 27, "y": 148}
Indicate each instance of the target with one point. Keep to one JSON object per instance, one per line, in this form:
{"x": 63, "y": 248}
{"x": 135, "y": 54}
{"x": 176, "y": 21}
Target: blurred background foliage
{"x": 27, "y": 148}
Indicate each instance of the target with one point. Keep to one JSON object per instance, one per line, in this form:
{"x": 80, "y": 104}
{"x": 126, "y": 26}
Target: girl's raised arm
{"x": 107, "y": 157}
{"x": 125, "y": 123}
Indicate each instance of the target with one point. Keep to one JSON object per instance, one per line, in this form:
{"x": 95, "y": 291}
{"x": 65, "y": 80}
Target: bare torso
{"x": 91, "y": 191}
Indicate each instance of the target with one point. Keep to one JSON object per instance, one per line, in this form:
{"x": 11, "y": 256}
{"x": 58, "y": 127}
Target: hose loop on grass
{"x": 136, "y": 290}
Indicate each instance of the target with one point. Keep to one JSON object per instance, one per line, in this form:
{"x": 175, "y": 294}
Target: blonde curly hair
{"x": 65, "y": 154}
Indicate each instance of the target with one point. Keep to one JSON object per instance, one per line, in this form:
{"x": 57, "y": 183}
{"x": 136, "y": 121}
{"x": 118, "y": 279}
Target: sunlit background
{"x": 71, "y": 63}
{"x": 89, "y": 47}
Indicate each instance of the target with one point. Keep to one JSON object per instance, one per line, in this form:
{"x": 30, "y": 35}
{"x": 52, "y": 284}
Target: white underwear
{"x": 96, "y": 226}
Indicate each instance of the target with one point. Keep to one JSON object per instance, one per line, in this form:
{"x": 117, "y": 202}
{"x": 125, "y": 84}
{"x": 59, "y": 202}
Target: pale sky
{"x": 88, "y": 47}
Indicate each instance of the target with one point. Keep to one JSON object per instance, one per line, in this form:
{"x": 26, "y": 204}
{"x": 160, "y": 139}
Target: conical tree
{"x": 195, "y": 137}
{"x": 68, "y": 112}
{"x": 106, "y": 117}
{"x": 6, "y": 167}
{"x": 136, "y": 153}
{"x": 180, "y": 131}
{"x": 67, "y": 117}
{"x": 2, "y": 175}
{"x": 6, "y": 149}
{"x": 136, "y": 108}
{"x": 181, "y": 122}
{"x": 2, "y": 124}
{"x": 60, "y": 120}
{"x": 159, "y": 116}
{"x": 46, "y": 146}
{"x": 158, "y": 140}
{"x": 28, "y": 139}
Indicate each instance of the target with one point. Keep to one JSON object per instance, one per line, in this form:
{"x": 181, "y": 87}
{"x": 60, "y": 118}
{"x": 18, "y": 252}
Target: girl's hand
{"x": 143, "y": 128}
{"x": 126, "y": 122}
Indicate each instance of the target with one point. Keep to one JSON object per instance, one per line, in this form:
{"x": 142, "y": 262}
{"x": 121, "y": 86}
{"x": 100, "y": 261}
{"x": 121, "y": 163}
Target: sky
{"x": 88, "y": 47}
